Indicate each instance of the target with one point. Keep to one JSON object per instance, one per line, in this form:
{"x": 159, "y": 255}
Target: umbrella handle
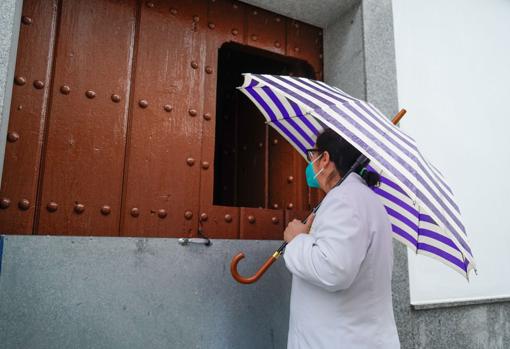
{"x": 257, "y": 275}
{"x": 400, "y": 115}
{"x": 237, "y": 258}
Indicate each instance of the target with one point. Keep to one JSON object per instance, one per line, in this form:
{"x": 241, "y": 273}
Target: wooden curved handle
{"x": 257, "y": 275}
{"x": 400, "y": 114}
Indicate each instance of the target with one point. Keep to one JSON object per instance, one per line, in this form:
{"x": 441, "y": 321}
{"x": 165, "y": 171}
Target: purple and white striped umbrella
{"x": 419, "y": 202}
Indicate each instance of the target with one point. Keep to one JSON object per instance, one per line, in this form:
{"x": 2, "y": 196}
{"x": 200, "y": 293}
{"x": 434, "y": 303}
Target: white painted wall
{"x": 453, "y": 72}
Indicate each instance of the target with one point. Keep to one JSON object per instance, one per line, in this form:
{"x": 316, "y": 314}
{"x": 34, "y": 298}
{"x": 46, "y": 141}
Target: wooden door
{"x": 114, "y": 122}
{"x": 84, "y": 142}
{"x": 28, "y": 117}
{"x": 163, "y": 160}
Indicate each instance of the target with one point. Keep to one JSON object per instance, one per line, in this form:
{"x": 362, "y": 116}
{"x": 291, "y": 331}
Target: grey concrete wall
{"x": 82, "y": 292}
{"x": 320, "y": 13}
{"x": 66, "y": 292}
{"x": 344, "y": 56}
{"x": 10, "y": 18}
{"x": 379, "y": 47}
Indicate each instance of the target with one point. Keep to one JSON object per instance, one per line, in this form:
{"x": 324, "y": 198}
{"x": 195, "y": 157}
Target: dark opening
{"x": 241, "y": 162}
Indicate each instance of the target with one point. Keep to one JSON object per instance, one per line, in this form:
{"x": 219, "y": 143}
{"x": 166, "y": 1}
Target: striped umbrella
{"x": 419, "y": 202}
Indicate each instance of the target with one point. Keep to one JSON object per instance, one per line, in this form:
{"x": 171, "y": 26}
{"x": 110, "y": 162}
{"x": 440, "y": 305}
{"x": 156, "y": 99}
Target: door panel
{"x": 261, "y": 224}
{"x": 27, "y": 119}
{"x": 220, "y": 222}
{"x": 252, "y": 159}
{"x": 224, "y": 23}
{"x": 163, "y": 157}
{"x": 304, "y": 41}
{"x": 84, "y": 157}
{"x": 265, "y": 30}
{"x": 287, "y": 184}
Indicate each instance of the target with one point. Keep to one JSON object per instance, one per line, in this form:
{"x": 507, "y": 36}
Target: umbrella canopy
{"x": 419, "y": 202}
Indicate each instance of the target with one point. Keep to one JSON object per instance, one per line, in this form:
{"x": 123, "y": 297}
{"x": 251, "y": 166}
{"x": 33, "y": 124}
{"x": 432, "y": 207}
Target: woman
{"x": 341, "y": 259}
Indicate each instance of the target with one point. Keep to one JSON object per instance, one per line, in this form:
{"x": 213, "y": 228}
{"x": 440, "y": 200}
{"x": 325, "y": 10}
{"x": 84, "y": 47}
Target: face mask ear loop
{"x": 318, "y": 173}
{"x": 322, "y": 169}
{"x": 317, "y": 158}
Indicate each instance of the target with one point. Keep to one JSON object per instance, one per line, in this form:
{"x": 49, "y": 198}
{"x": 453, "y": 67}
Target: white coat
{"x": 341, "y": 274}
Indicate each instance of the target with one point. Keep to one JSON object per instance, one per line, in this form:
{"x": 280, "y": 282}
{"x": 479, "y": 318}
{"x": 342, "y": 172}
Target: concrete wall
{"x": 344, "y": 55}
{"x": 125, "y": 292}
{"x": 80, "y": 292}
{"x": 67, "y": 292}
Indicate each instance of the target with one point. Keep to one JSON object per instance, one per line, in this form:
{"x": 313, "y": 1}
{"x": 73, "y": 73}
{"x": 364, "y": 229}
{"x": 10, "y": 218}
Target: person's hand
{"x": 296, "y": 227}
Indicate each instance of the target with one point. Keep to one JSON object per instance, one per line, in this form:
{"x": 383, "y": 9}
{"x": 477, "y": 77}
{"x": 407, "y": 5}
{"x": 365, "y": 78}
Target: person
{"x": 341, "y": 259}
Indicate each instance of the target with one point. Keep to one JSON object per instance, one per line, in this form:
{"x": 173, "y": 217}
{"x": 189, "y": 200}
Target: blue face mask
{"x": 311, "y": 177}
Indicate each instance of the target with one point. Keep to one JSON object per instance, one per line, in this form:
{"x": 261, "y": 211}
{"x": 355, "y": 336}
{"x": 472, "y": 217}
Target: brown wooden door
{"x": 163, "y": 152}
{"x": 28, "y": 117}
{"x": 114, "y": 122}
{"x": 81, "y": 180}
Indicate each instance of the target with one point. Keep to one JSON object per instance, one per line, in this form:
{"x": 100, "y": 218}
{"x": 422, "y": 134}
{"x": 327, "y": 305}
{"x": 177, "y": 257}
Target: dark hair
{"x": 343, "y": 155}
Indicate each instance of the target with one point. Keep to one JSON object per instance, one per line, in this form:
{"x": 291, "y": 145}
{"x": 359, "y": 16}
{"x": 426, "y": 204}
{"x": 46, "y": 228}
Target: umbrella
{"x": 419, "y": 202}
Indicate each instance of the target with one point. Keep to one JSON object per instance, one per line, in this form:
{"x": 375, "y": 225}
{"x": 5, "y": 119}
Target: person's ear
{"x": 325, "y": 159}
